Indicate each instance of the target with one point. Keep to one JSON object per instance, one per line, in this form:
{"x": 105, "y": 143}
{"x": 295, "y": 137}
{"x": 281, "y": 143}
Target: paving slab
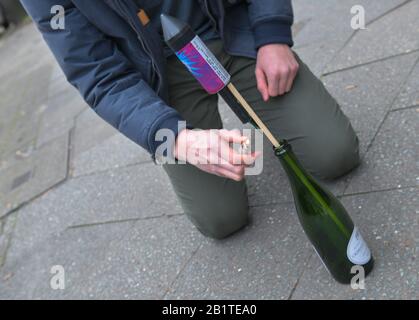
{"x": 366, "y": 93}
{"x": 263, "y": 261}
{"x": 97, "y": 146}
{"x": 63, "y": 105}
{"x": 394, "y": 34}
{"x": 22, "y": 100}
{"x": 125, "y": 194}
{"x": 27, "y": 271}
{"x": 409, "y": 95}
{"x": 325, "y": 20}
{"x": 389, "y": 222}
{"x": 317, "y": 55}
{"x": 392, "y": 161}
{"x": 118, "y": 261}
{"x": 28, "y": 177}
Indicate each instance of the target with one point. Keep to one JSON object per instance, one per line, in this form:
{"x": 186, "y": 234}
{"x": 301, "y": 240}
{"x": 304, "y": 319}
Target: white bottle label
{"x": 358, "y": 251}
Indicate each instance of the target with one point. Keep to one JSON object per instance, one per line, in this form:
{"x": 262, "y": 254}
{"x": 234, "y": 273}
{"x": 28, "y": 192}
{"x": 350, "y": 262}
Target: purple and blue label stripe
{"x": 204, "y": 66}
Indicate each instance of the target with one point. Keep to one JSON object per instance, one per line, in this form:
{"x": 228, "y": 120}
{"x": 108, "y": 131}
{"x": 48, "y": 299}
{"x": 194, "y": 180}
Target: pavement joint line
{"x": 69, "y": 148}
{"x": 396, "y": 96}
{"x": 399, "y": 90}
{"x": 105, "y": 171}
{"x": 96, "y": 224}
{"x": 269, "y": 204}
{"x": 369, "y": 62}
{"x": 391, "y": 10}
{"x": 182, "y": 269}
{"x": 27, "y": 202}
{"x": 8, "y": 243}
{"x": 306, "y": 264}
{"x": 405, "y": 108}
{"x": 379, "y": 191}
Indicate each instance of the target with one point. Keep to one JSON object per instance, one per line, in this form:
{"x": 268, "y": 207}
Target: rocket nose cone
{"x": 171, "y": 26}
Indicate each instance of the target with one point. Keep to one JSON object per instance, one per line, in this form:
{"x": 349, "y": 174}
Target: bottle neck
{"x": 290, "y": 163}
{"x": 300, "y": 178}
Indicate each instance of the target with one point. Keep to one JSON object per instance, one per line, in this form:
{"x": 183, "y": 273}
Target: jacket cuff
{"x": 272, "y": 31}
{"x": 172, "y": 125}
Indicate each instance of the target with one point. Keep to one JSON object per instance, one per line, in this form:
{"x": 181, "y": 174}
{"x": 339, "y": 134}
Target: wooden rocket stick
{"x": 253, "y": 115}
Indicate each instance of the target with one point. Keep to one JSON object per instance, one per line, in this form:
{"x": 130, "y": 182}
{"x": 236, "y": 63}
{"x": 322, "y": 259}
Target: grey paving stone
{"x": 392, "y": 161}
{"x": 317, "y": 55}
{"x": 325, "y": 20}
{"x": 27, "y": 271}
{"x": 43, "y": 169}
{"x": 132, "y": 193}
{"x": 96, "y": 146}
{"x": 409, "y": 95}
{"x": 22, "y": 98}
{"x": 125, "y": 261}
{"x": 263, "y": 261}
{"x": 317, "y": 19}
{"x": 114, "y": 152}
{"x": 389, "y": 222}
{"x": 395, "y": 33}
{"x": 367, "y": 92}
{"x": 63, "y": 105}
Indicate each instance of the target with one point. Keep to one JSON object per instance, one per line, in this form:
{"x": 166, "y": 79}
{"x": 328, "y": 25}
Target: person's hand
{"x": 276, "y": 69}
{"x": 211, "y": 151}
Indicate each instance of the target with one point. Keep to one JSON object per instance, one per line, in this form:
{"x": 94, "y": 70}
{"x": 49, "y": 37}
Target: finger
{"x": 291, "y": 78}
{"x": 227, "y": 153}
{"x": 242, "y": 159}
{"x": 238, "y": 170}
{"x": 218, "y": 160}
{"x": 234, "y": 136}
{"x": 273, "y": 83}
{"x": 283, "y": 82}
{"x": 262, "y": 84}
{"x": 228, "y": 174}
{"x": 235, "y": 169}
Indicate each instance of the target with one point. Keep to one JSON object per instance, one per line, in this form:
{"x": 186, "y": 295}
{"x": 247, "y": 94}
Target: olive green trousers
{"x": 308, "y": 117}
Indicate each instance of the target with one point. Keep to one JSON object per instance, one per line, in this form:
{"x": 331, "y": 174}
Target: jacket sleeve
{"x": 103, "y": 75}
{"x": 271, "y": 21}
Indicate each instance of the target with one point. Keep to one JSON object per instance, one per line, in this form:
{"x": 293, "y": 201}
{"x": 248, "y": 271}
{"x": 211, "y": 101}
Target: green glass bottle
{"x": 325, "y": 221}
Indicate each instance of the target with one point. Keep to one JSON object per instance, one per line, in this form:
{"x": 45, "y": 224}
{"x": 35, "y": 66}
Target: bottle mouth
{"x": 283, "y": 149}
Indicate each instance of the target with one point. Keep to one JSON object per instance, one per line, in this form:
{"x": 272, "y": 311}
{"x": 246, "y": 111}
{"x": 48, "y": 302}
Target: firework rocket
{"x": 194, "y": 54}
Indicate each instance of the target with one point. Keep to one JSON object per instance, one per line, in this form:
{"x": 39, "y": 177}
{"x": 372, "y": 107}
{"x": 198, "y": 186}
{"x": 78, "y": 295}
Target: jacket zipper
{"x": 213, "y": 20}
{"x": 144, "y": 46}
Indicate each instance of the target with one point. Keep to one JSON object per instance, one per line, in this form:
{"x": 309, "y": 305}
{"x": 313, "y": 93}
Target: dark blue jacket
{"x": 118, "y": 65}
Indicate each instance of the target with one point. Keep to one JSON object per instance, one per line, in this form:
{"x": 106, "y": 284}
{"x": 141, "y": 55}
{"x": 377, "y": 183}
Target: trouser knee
{"x": 222, "y": 224}
{"x": 341, "y": 157}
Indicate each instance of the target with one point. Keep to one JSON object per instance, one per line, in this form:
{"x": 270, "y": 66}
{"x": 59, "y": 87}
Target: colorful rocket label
{"x": 204, "y": 66}
{"x": 358, "y": 251}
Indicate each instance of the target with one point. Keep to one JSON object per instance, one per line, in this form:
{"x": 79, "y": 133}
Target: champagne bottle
{"x": 325, "y": 221}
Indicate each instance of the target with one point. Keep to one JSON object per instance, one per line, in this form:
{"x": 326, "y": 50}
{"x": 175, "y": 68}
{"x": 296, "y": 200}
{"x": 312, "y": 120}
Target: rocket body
{"x": 194, "y": 54}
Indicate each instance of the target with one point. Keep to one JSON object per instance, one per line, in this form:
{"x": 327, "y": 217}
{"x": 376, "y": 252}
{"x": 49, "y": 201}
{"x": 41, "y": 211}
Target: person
{"x": 118, "y": 61}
